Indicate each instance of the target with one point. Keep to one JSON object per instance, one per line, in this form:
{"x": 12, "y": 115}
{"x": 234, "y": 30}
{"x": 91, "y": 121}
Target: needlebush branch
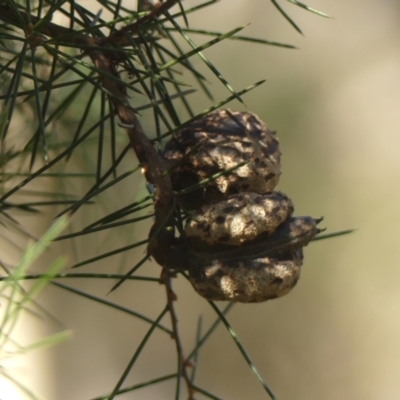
{"x": 104, "y": 63}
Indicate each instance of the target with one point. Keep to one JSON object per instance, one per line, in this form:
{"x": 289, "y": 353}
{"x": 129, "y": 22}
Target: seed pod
{"x": 246, "y": 280}
{"x": 240, "y": 218}
{"x": 256, "y": 271}
{"x": 218, "y": 143}
{"x": 241, "y": 243}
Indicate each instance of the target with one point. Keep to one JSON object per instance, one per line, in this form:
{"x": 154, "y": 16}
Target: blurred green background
{"x": 335, "y": 105}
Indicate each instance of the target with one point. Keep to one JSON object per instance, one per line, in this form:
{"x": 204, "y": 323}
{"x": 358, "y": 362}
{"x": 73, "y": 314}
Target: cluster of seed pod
{"x": 240, "y": 241}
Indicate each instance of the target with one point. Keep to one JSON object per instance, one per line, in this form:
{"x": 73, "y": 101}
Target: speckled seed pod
{"x": 216, "y": 143}
{"x": 245, "y": 280}
{"x": 239, "y": 219}
{"x": 261, "y": 269}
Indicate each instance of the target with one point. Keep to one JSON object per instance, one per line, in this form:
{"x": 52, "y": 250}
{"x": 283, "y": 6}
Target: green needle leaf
{"x": 286, "y": 16}
{"x": 332, "y": 235}
{"x": 242, "y": 349}
{"x": 306, "y": 7}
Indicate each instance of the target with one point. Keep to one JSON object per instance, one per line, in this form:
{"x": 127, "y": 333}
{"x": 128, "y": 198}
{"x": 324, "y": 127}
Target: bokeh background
{"x": 335, "y": 104}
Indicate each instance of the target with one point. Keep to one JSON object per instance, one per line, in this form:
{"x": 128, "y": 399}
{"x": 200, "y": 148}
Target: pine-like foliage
{"x": 78, "y": 99}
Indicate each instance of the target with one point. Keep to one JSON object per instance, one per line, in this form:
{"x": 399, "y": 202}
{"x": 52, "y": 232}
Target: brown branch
{"x": 153, "y": 165}
{"x": 171, "y": 297}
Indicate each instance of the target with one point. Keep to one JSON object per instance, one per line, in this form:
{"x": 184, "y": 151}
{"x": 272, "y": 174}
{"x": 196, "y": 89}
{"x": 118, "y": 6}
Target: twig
{"x": 171, "y": 297}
